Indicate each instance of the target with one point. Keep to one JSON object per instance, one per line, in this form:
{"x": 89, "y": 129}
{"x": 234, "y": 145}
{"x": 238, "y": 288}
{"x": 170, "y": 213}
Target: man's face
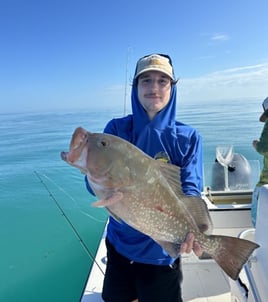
{"x": 154, "y": 89}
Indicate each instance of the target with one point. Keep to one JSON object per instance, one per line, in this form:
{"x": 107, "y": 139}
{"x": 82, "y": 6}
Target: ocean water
{"x": 49, "y": 232}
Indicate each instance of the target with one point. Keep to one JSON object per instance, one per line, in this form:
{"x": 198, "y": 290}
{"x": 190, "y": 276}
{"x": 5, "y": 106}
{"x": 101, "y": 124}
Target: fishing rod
{"x": 68, "y": 221}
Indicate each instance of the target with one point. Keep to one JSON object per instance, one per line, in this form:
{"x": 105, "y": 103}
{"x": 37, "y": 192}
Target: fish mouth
{"x": 76, "y": 152}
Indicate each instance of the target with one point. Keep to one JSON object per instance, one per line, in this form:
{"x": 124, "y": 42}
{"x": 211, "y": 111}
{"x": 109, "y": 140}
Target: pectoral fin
{"x": 106, "y": 202}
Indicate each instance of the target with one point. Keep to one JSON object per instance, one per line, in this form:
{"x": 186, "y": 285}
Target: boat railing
{"x": 255, "y": 275}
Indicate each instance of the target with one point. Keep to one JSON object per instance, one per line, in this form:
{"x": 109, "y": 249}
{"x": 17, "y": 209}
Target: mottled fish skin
{"x": 147, "y": 194}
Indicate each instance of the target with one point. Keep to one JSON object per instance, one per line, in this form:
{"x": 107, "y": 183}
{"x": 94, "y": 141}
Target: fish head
{"x": 106, "y": 159}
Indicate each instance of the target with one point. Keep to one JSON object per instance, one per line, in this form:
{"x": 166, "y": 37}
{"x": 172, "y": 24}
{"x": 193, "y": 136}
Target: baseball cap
{"x": 155, "y": 62}
{"x": 264, "y": 116}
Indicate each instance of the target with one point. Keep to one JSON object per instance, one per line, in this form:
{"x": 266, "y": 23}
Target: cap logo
{"x": 155, "y": 61}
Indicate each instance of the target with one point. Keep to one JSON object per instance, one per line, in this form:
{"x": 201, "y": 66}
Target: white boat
{"x": 203, "y": 279}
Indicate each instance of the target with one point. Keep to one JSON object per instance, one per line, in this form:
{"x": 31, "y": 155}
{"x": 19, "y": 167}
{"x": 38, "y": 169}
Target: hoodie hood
{"x": 146, "y": 132}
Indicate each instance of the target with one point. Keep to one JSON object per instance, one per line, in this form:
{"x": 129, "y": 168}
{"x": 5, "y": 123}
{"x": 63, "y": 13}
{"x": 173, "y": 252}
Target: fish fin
{"x": 196, "y": 206}
{"x": 106, "y": 202}
{"x": 232, "y": 253}
{"x": 198, "y": 209}
{"x": 171, "y": 248}
{"x": 172, "y": 175}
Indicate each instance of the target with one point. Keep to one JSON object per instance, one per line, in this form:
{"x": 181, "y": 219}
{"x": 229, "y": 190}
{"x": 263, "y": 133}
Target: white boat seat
{"x": 257, "y": 267}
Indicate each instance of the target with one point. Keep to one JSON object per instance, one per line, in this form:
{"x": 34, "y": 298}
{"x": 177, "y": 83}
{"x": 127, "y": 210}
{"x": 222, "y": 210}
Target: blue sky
{"x": 61, "y": 55}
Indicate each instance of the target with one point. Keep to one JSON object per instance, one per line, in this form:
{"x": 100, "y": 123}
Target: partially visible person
{"x": 261, "y": 147}
{"x": 138, "y": 269}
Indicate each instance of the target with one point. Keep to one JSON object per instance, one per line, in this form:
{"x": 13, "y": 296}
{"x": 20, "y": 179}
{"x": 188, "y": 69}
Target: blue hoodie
{"x": 183, "y": 147}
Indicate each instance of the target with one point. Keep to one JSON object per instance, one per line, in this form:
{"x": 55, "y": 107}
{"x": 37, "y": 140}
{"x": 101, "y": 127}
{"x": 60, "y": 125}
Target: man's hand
{"x": 190, "y": 244}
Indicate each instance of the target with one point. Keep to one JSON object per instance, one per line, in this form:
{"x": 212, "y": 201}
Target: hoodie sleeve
{"x": 192, "y": 165}
{"x": 121, "y": 127}
{"x": 88, "y": 187}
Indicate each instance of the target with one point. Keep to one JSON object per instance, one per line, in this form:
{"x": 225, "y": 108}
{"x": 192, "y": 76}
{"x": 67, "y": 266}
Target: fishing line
{"x": 70, "y": 197}
{"x": 68, "y": 221}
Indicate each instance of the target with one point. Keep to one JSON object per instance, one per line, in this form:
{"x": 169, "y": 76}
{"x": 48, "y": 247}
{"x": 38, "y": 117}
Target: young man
{"x": 138, "y": 269}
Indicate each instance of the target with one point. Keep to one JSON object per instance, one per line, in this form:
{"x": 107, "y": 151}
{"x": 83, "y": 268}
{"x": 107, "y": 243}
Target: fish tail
{"x": 231, "y": 253}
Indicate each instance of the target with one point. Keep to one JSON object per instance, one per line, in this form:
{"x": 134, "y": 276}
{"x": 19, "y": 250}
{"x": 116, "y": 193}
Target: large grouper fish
{"x": 146, "y": 194}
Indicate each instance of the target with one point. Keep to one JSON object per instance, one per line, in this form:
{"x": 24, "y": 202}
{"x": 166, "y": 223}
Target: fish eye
{"x": 103, "y": 143}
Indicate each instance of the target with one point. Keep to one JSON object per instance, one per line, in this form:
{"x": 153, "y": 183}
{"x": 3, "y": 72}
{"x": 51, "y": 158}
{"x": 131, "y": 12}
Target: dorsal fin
{"x": 195, "y": 205}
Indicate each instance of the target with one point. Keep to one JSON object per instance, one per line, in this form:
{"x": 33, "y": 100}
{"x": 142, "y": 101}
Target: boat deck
{"x": 203, "y": 280}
